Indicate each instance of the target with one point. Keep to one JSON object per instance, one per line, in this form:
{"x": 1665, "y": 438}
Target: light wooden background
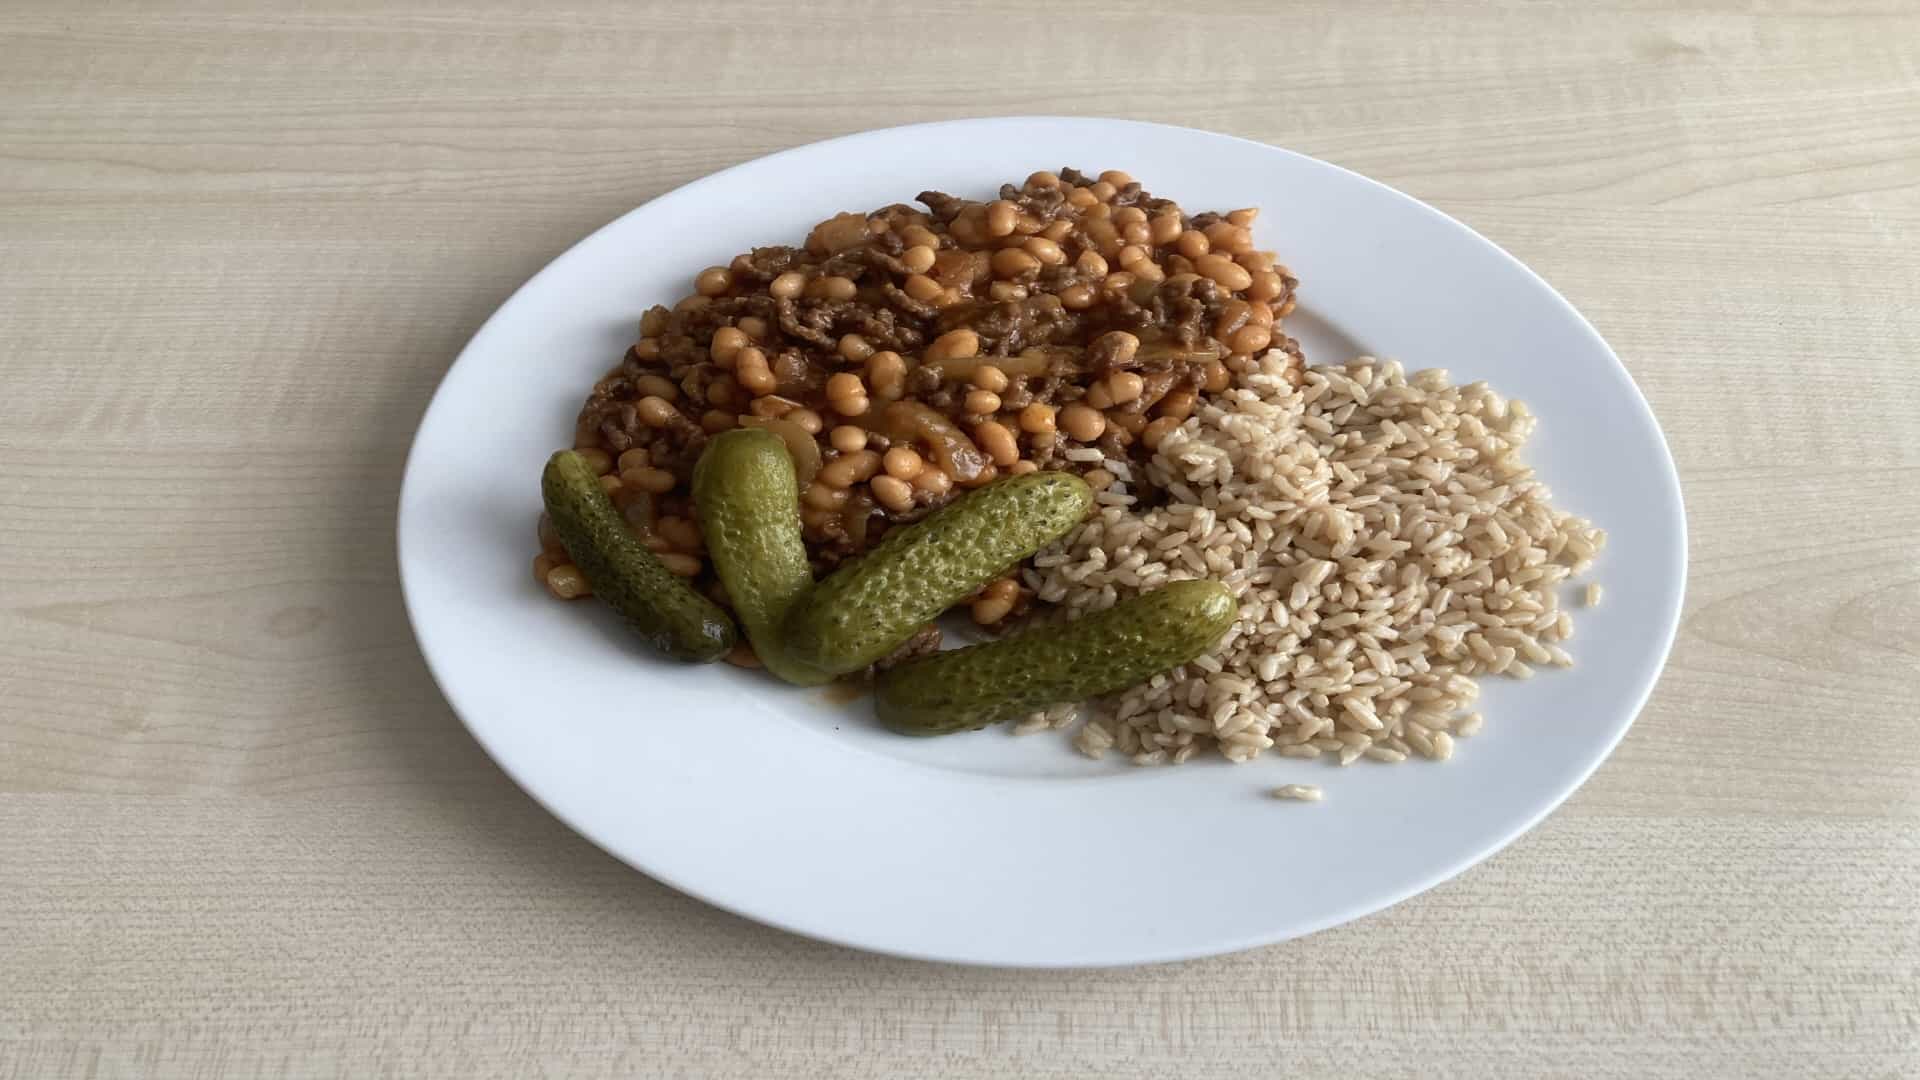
{"x": 241, "y": 834}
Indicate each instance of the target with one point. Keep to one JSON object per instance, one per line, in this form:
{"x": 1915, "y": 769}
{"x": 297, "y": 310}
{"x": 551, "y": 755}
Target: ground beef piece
{"x": 681, "y": 427}
{"x": 618, "y": 423}
{"x": 745, "y": 273}
{"x": 798, "y": 375}
{"x": 1055, "y": 278}
{"x": 872, "y": 258}
{"x": 1203, "y": 289}
{"x": 679, "y": 455}
{"x": 1160, "y": 304}
{"x": 907, "y": 305}
{"x": 700, "y": 323}
{"x": 1056, "y": 390}
{"x": 805, "y": 322}
{"x": 1043, "y": 204}
{"x": 695, "y": 379}
{"x": 855, "y": 263}
{"x": 922, "y": 382}
{"x": 770, "y": 262}
{"x": 1190, "y": 319}
{"x": 1013, "y": 325}
{"x": 946, "y": 397}
{"x": 945, "y": 207}
{"x": 1000, "y": 327}
{"x": 884, "y": 329}
{"x": 1124, "y": 314}
{"x": 829, "y": 545}
{"x": 1049, "y": 323}
{"x": 841, "y": 315}
{"x": 679, "y": 351}
{"x": 1072, "y": 175}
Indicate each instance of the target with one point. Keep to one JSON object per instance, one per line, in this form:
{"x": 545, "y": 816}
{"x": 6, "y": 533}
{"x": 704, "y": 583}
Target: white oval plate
{"x": 795, "y": 810}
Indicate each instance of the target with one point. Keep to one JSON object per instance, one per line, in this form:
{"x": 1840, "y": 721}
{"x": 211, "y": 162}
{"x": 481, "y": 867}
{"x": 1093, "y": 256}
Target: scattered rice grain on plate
{"x": 1298, "y": 792}
{"x": 1386, "y": 542}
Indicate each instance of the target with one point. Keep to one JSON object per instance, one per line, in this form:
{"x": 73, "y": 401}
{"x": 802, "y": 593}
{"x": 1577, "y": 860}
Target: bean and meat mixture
{"x": 908, "y": 354}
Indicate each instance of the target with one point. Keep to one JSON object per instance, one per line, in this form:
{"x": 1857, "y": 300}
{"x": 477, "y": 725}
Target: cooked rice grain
{"x": 1298, "y": 792}
{"x": 1386, "y": 543}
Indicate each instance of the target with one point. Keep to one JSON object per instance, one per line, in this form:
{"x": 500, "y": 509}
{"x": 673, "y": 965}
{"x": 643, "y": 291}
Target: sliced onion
{"x": 1030, "y": 362}
{"x": 838, "y": 233}
{"x": 955, "y": 269}
{"x": 855, "y": 517}
{"x": 806, "y": 452}
{"x": 1156, "y": 354}
{"x": 956, "y": 453}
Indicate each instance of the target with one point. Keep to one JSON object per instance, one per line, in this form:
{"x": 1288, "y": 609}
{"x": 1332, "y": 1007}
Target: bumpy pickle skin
{"x": 747, "y": 499}
{"x": 965, "y": 689}
{"x": 659, "y": 606}
{"x": 864, "y": 610}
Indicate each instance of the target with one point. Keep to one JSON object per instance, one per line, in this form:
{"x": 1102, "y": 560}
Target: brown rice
{"x": 1387, "y": 546}
{"x": 1298, "y": 792}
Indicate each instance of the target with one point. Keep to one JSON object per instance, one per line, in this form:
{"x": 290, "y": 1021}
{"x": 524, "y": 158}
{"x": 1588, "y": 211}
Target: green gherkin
{"x": 747, "y": 498}
{"x": 1110, "y": 650}
{"x": 867, "y": 608}
{"x": 658, "y": 605}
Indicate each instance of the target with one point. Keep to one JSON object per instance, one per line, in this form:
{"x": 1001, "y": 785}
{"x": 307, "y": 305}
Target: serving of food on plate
{"x": 1110, "y": 466}
{"x": 1070, "y": 414}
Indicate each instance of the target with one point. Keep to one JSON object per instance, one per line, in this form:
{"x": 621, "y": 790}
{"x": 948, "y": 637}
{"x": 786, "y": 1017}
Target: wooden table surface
{"x": 242, "y": 834}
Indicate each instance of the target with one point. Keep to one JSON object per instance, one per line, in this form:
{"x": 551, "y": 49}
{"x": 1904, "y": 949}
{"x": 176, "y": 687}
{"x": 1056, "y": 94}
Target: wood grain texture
{"x": 241, "y": 834}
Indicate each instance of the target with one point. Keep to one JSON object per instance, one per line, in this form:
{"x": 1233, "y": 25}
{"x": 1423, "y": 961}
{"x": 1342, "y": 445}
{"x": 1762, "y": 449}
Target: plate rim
{"x": 1672, "y": 497}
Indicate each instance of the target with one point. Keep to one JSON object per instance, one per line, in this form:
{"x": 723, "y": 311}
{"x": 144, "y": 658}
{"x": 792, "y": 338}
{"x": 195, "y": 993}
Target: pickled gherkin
{"x": 867, "y": 608}
{"x": 658, "y": 605}
{"x": 747, "y": 499}
{"x": 1109, "y": 650}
